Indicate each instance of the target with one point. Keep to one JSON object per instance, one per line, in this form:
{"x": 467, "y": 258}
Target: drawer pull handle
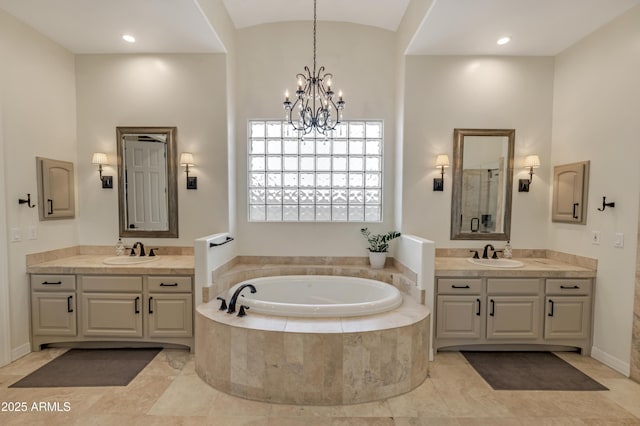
{"x": 136, "y": 308}
{"x": 551, "y": 308}
{"x": 52, "y": 283}
{"x": 460, "y": 286}
{"x": 151, "y": 305}
{"x": 168, "y": 284}
{"x": 493, "y": 308}
{"x": 478, "y": 311}
{"x": 573, "y": 287}
{"x": 69, "y": 307}
{"x": 50, "y": 203}
{"x": 574, "y": 214}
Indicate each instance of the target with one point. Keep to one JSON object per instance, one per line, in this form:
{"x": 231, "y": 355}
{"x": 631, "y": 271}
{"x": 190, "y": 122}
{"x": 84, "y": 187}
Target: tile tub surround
{"x": 243, "y": 268}
{"x": 328, "y": 361}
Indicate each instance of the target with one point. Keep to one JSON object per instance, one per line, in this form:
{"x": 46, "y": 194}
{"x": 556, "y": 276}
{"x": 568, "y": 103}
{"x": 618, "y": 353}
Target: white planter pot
{"x": 377, "y": 259}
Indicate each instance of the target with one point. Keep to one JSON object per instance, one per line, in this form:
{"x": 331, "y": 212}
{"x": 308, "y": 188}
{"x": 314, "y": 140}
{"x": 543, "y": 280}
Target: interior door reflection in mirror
{"x": 146, "y": 167}
{"x": 483, "y": 171}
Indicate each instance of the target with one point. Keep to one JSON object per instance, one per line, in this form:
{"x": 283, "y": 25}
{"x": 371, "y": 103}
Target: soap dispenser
{"x": 507, "y": 251}
{"x": 120, "y": 247}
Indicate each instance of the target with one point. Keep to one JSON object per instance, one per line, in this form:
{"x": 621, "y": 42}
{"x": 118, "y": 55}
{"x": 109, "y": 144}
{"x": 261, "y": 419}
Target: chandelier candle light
{"x": 314, "y": 104}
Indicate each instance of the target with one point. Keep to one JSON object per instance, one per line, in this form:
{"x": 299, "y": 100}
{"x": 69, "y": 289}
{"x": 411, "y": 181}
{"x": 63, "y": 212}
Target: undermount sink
{"x": 129, "y": 260}
{"x": 497, "y": 263}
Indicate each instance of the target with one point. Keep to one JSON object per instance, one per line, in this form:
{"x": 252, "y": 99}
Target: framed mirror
{"x": 147, "y": 182}
{"x": 482, "y": 184}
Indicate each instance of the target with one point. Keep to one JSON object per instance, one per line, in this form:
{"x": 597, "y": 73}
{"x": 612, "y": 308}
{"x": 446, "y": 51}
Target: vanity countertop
{"x": 93, "y": 264}
{"x": 533, "y": 267}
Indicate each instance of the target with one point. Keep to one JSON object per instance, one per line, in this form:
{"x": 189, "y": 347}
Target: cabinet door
{"x": 570, "y": 189}
{"x": 53, "y": 313}
{"x": 112, "y": 314}
{"x": 170, "y": 315}
{"x": 459, "y": 317}
{"x": 513, "y": 317}
{"x": 56, "y": 189}
{"x": 567, "y": 317}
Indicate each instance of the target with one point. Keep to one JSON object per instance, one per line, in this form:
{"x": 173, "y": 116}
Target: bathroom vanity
{"x": 79, "y": 299}
{"x": 545, "y": 302}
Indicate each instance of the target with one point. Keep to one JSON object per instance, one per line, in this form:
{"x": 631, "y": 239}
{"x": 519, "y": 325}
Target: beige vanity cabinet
{"x": 567, "y": 309}
{"x": 169, "y": 307}
{"x": 53, "y": 305}
{"x": 513, "y": 311}
{"x": 111, "y": 306}
{"x": 513, "y": 308}
{"x": 459, "y": 309}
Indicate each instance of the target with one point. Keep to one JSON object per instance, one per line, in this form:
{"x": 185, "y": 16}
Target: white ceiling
{"x": 451, "y": 27}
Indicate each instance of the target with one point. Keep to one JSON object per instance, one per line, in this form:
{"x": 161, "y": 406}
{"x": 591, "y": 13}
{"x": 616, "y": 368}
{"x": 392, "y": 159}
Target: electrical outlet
{"x": 619, "y": 240}
{"x": 16, "y": 235}
{"x": 595, "y": 237}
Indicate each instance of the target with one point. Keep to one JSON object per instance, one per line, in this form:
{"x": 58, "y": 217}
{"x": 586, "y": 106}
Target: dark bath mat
{"x": 529, "y": 371}
{"x": 90, "y": 367}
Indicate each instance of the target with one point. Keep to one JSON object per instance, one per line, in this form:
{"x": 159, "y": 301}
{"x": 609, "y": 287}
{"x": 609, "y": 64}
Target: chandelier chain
{"x": 315, "y": 20}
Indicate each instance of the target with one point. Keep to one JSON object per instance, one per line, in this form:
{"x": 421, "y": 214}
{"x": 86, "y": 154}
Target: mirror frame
{"x": 172, "y": 183}
{"x": 456, "y": 194}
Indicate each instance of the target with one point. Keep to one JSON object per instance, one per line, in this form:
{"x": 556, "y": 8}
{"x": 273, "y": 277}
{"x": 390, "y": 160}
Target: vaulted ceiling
{"x": 450, "y": 27}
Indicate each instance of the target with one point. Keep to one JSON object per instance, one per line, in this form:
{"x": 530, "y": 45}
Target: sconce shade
{"x": 532, "y": 161}
{"x": 442, "y": 160}
{"x": 99, "y": 158}
{"x": 186, "y": 159}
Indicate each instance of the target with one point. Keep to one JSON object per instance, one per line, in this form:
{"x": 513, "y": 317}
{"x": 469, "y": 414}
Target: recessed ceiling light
{"x": 503, "y": 40}
{"x": 129, "y": 38}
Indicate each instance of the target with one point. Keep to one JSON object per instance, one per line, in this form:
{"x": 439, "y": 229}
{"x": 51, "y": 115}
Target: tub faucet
{"x": 133, "y": 249}
{"x": 234, "y": 298}
{"x": 485, "y": 255}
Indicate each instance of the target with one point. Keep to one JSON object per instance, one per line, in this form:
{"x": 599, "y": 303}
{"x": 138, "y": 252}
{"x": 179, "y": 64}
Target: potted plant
{"x": 378, "y": 246}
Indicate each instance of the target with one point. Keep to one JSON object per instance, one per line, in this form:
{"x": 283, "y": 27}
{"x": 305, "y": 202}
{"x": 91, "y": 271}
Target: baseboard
{"x": 611, "y": 361}
{"x": 20, "y": 351}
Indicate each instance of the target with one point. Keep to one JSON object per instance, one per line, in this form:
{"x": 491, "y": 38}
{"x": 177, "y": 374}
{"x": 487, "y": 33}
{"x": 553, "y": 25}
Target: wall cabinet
{"x": 514, "y": 311}
{"x": 56, "y": 183}
{"x": 570, "y": 190}
{"x": 112, "y": 309}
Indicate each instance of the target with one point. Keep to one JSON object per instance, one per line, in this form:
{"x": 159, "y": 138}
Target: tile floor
{"x": 168, "y": 392}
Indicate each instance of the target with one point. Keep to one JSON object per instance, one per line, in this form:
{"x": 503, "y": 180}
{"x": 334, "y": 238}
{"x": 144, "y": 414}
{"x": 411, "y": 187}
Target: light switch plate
{"x": 16, "y": 234}
{"x": 595, "y": 237}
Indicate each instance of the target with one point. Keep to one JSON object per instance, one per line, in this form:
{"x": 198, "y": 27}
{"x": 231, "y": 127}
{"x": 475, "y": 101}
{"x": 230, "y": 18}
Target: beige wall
{"x": 447, "y": 92}
{"x": 39, "y": 119}
{"x": 596, "y": 104}
{"x": 268, "y": 59}
{"x": 187, "y": 91}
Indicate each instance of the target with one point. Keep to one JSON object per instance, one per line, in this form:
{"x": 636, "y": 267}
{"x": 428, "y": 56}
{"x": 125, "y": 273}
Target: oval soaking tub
{"x": 317, "y": 296}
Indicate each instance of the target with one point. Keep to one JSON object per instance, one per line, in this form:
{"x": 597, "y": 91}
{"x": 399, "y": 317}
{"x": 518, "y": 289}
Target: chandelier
{"x": 314, "y": 107}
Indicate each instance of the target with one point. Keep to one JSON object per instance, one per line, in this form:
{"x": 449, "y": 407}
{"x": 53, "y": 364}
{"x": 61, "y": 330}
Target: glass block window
{"x": 315, "y": 178}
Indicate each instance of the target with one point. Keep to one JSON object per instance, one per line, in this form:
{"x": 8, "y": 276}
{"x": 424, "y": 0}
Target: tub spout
{"x": 234, "y": 298}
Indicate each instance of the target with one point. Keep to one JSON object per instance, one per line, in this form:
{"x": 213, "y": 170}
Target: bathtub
{"x": 317, "y": 296}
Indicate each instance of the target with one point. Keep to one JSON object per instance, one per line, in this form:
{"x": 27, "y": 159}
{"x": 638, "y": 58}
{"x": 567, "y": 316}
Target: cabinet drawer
{"x": 169, "y": 284}
{"x": 111, "y": 283}
{"x": 53, "y": 282}
{"x": 568, "y": 286}
{"x": 514, "y": 286}
{"x": 459, "y": 285}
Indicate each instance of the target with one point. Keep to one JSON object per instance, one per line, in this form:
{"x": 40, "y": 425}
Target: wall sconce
{"x": 442, "y": 161}
{"x": 100, "y": 158}
{"x": 186, "y": 160}
{"x": 530, "y": 162}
